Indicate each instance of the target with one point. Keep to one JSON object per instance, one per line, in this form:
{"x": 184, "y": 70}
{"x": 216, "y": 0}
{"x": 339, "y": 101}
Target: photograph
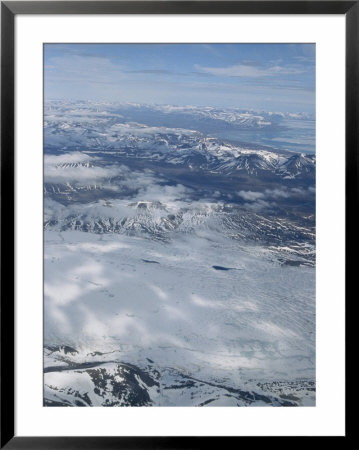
{"x": 179, "y": 224}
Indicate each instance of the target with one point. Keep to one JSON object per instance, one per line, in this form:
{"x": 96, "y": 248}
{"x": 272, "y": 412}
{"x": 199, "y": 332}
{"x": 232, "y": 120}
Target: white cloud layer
{"x": 249, "y": 71}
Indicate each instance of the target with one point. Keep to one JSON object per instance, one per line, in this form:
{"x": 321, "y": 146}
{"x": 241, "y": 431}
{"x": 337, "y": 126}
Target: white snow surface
{"x": 132, "y": 298}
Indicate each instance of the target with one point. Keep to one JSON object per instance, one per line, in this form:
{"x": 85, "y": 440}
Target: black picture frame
{"x": 9, "y": 9}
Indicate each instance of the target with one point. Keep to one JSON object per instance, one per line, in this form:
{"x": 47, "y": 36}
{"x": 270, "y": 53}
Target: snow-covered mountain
{"x": 239, "y": 117}
{"x": 112, "y": 136}
{"x": 113, "y": 383}
{"x": 178, "y": 266}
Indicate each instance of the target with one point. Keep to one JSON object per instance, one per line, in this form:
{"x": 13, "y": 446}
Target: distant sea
{"x": 293, "y": 135}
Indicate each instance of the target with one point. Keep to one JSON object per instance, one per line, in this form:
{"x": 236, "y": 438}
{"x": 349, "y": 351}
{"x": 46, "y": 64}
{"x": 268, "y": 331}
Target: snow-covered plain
{"x": 135, "y": 299}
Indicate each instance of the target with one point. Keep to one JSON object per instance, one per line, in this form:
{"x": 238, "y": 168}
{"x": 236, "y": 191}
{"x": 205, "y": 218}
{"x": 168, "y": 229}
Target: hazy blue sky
{"x": 270, "y": 77}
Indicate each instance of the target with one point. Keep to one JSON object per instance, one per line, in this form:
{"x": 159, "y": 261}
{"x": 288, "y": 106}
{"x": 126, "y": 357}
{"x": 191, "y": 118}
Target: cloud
{"x": 68, "y": 158}
{"x": 298, "y": 191}
{"x": 116, "y": 208}
{"x": 276, "y": 193}
{"x": 201, "y": 74}
{"x": 162, "y": 200}
{"x": 251, "y": 70}
{"x": 255, "y": 201}
{"x": 173, "y": 196}
{"x": 272, "y": 194}
{"x": 79, "y": 169}
{"x": 259, "y": 205}
{"x": 152, "y": 71}
{"x": 76, "y": 168}
{"x": 250, "y": 195}
{"x": 305, "y": 59}
{"x": 83, "y": 70}
{"x": 267, "y": 199}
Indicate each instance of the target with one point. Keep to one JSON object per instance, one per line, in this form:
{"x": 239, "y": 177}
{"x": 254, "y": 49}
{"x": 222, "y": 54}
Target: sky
{"x": 266, "y": 77}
